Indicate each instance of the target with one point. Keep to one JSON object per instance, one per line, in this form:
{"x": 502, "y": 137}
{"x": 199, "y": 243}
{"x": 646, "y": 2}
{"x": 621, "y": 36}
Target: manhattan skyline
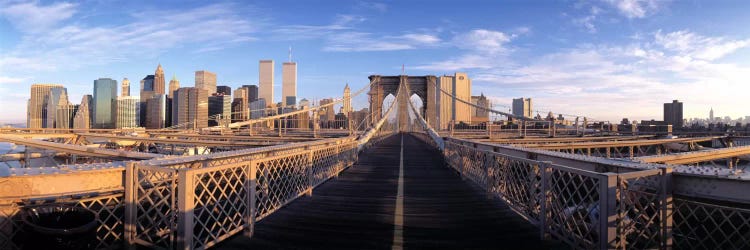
{"x": 575, "y": 57}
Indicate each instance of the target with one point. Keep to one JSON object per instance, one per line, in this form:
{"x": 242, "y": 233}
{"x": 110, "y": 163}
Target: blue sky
{"x": 604, "y": 59}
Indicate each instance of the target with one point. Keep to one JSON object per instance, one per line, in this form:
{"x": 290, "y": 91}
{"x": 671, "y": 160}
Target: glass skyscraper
{"x": 105, "y": 103}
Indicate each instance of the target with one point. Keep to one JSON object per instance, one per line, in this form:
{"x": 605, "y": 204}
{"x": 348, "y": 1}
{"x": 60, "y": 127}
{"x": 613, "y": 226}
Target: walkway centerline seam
{"x": 398, "y": 217}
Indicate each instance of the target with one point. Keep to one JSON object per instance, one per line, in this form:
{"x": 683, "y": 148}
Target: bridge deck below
{"x": 357, "y": 210}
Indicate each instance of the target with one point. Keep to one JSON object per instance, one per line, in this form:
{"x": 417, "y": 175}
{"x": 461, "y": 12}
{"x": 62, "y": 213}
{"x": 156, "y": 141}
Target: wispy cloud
{"x": 300, "y": 32}
{"x": 633, "y": 79}
{"x": 363, "y": 41}
{"x": 587, "y": 21}
{"x": 689, "y": 44}
{"x": 366, "y": 5}
{"x": 32, "y": 17}
{"x": 637, "y": 8}
{"x": 484, "y": 49}
{"x": 149, "y": 34}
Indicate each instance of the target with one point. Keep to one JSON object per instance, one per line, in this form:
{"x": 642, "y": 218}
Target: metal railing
{"x": 583, "y": 208}
{"x": 601, "y": 209}
{"x": 195, "y": 206}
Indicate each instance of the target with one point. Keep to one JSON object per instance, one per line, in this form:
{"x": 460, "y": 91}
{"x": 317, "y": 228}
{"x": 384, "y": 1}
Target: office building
{"x": 304, "y": 104}
{"x": 128, "y": 112}
{"x": 347, "y": 108}
{"x": 219, "y": 109}
{"x": 35, "y": 114}
{"x": 289, "y": 84}
{"x": 522, "y": 107}
{"x": 206, "y": 80}
{"x": 159, "y": 80}
{"x": 258, "y": 109}
{"x": 105, "y": 103}
{"x": 156, "y": 111}
{"x": 190, "y": 108}
{"x": 125, "y": 87}
{"x": 64, "y": 114}
{"x": 82, "y": 118}
{"x": 240, "y": 105}
{"x": 450, "y": 108}
{"x": 174, "y": 84}
{"x": 224, "y": 90}
{"x": 57, "y": 97}
{"x": 252, "y": 92}
{"x": 480, "y": 114}
{"x": 673, "y": 114}
{"x": 327, "y": 113}
{"x": 147, "y": 91}
{"x": 265, "y": 80}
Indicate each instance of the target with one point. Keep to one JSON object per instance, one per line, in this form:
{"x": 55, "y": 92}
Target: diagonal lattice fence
{"x": 584, "y": 208}
{"x": 108, "y": 206}
{"x": 701, "y": 225}
{"x": 200, "y": 204}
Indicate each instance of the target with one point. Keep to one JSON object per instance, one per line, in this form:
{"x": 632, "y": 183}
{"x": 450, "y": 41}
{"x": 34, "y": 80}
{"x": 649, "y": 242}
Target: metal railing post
{"x": 310, "y": 172}
{"x": 544, "y": 172}
{"x": 251, "y": 193}
{"x": 489, "y": 159}
{"x": 667, "y": 209}
{"x": 185, "y": 206}
{"x": 130, "y": 205}
{"x": 607, "y": 210}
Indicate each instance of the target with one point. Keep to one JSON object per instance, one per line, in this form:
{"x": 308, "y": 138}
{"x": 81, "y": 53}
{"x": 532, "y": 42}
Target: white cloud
{"x": 485, "y": 49}
{"x": 31, "y": 17}
{"x": 696, "y": 46}
{"x": 482, "y": 40}
{"x": 609, "y": 82}
{"x": 9, "y": 80}
{"x": 150, "y": 33}
{"x": 636, "y": 8}
{"x": 362, "y": 41}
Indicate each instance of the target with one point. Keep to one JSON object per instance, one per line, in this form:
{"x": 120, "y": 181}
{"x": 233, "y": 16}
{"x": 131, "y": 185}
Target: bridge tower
{"x": 422, "y": 86}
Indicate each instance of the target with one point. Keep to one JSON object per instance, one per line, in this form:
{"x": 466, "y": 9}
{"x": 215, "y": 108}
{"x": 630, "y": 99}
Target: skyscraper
{"x": 289, "y": 84}
{"x": 190, "y": 108}
{"x": 522, "y": 107}
{"x": 105, "y": 103}
{"x": 479, "y": 114}
{"x": 36, "y": 115}
{"x": 82, "y": 118}
{"x": 711, "y": 115}
{"x": 147, "y": 88}
{"x": 57, "y": 97}
{"x": 252, "y": 92}
{"x": 128, "y": 112}
{"x": 673, "y": 114}
{"x": 225, "y": 90}
{"x": 347, "y": 109}
{"x": 125, "y": 87}
{"x": 174, "y": 84}
{"x": 265, "y": 80}
{"x": 155, "y": 111}
{"x": 159, "y": 80}
{"x": 450, "y": 108}
{"x": 219, "y": 105}
{"x": 240, "y": 105}
{"x": 327, "y": 113}
{"x": 65, "y": 112}
{"x": 147, "y": 92}
{"x": 206, "y": 80}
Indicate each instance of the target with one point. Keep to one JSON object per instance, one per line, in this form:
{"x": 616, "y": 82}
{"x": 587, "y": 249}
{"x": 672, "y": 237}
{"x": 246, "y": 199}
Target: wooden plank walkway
{"x": 357, "y": 210}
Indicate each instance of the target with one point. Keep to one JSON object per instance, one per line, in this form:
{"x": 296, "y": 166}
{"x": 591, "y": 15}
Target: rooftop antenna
{"x": 290, "y": 53}
{"x": 403, "y": 70}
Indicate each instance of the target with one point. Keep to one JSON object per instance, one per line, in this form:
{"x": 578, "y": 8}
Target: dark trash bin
{"x": 60, "y": 227}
